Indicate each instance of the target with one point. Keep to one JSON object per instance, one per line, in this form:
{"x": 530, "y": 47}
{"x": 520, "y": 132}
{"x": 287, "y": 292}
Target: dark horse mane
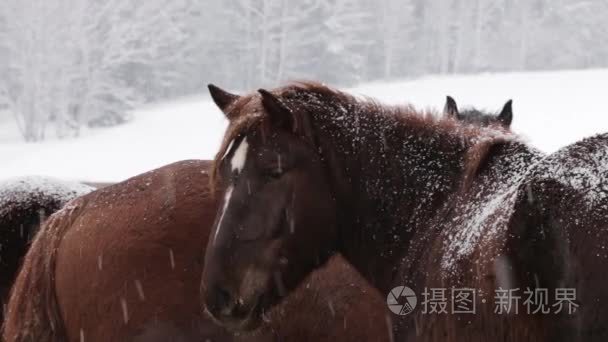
{"x": 312, "y": 97}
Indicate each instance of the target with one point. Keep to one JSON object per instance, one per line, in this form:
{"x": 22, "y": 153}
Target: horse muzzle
{"x": 231, "y": 312}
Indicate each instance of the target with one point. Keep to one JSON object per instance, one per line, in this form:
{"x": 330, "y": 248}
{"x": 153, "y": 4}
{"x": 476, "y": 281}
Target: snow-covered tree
{"x": 396, "y": 31}
{"x": 346, "y": 40}
{"x": 76, "y": 62}
{"x": 66, "y": 64}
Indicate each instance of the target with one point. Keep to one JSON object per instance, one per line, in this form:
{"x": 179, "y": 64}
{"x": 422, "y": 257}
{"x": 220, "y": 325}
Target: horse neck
{"x": 390, "y": 176}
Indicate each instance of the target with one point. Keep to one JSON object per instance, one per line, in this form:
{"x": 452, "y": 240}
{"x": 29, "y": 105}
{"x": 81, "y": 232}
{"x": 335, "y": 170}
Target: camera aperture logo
{"x": 401, "y": 300}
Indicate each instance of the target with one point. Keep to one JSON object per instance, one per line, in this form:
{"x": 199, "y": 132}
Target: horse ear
{"x": 280, "y": 114}
{"x": 450, "y": 109}
{"x": 506, "y": 114}
{"x": 222, "y": 98}
{"x": 291, "y": 119}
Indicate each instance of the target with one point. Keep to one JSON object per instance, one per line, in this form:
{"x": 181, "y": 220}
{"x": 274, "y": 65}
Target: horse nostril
{"x": 223, "y": 299}
{"x": 217, "y": 300}
{"x": 221, "y": 303}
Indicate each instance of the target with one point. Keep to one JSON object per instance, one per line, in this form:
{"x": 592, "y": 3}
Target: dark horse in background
{"x": 473, "y": 115}
{"x": 124, "y": 263}
{"x": 408, "y": 199}
{"x": 24, "y": 204}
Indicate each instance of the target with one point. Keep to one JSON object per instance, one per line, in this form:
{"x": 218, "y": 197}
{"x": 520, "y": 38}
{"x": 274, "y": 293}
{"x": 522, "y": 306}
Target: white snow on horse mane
{"x": 478, "y": 221}
{"x": 573, "y": 166}
{"x": 587, "y": 173}
{"x": 465, "y": 241}
{"x": 21, "y": 189}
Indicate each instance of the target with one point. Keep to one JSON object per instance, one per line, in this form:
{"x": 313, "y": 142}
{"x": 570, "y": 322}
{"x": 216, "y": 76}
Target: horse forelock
{"x": 244, "y": 115}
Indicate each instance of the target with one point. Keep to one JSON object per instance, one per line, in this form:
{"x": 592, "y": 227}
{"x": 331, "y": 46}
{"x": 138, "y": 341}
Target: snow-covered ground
{"x": 551, "y": 109}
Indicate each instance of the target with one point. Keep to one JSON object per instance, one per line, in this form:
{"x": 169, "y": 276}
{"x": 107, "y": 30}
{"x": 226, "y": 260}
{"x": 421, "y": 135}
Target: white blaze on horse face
{"x": 239, "y": 157}
{"x": 224, "y": 208}
{"x": 237, "y": 162}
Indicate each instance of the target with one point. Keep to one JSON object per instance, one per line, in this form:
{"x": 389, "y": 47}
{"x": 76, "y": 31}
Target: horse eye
{"x": 274, "y": 173}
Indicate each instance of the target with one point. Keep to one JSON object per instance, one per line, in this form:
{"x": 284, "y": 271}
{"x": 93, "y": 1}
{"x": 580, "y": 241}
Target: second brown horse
{"x": 124, "y": 263}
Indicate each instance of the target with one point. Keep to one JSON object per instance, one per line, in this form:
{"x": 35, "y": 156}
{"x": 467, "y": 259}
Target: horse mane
{"x": 248, "y": 112}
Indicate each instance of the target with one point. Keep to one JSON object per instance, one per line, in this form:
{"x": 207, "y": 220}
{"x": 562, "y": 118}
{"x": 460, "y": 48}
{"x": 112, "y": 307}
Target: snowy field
{"x": 551, "y": 109}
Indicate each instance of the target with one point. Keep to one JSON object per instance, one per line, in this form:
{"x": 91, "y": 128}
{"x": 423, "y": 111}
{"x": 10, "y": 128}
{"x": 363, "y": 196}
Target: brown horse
{"x": 27, "y": 201}
{"x": 409, "y": 200}
{"x": 124, "y": 263}
{"x": 478, "y": 117}
{"x": 24, "y": 203}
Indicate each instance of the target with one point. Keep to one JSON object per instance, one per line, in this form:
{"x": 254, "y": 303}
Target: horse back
{"x": 125, "y": 267}
{"x": 472, "y": 249}
{"x": 560, "y": 233}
